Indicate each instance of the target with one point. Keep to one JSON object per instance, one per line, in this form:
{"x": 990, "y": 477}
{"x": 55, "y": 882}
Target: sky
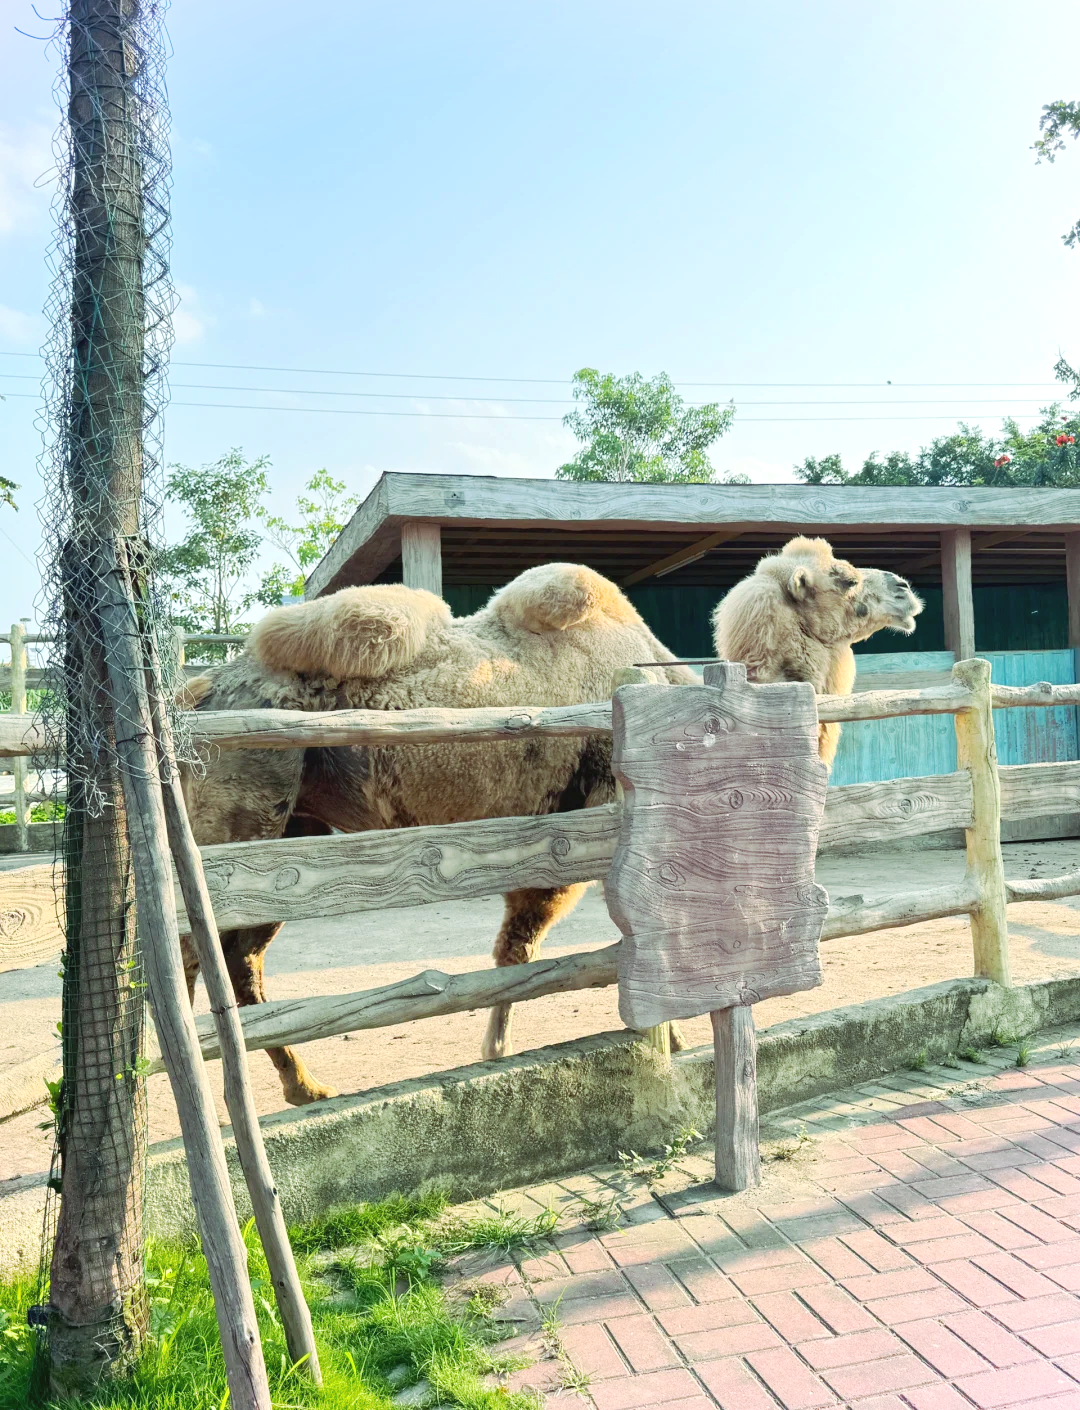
{"x": 399, "y": 229}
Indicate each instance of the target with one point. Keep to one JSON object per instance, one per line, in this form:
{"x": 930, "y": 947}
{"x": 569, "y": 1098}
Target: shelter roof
{"x": 493, "y": 527}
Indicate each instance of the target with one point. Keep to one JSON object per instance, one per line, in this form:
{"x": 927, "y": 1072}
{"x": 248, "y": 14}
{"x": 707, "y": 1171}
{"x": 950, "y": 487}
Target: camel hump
{"x": 360, "y": 631}
{"x": 556, "y": 596}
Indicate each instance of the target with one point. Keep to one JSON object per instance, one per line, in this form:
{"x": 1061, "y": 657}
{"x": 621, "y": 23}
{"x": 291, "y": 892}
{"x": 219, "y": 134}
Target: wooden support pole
{"x": 976, "y": 751}
{"x": 211, "y": 1192}
{"x": 269, "y": 1219}
{"x": 421, "y": 555}
{"x": 18, "y": 707}
{"x": 957, "y": 603}
{"x": 738, "y": 1158}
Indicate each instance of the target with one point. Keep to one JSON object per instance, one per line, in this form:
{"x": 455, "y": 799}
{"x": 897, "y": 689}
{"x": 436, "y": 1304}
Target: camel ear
{"x": 801, "y": 584}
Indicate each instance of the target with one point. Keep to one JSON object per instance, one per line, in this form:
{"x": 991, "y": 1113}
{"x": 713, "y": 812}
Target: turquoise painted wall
{"x": 926, "y": 744}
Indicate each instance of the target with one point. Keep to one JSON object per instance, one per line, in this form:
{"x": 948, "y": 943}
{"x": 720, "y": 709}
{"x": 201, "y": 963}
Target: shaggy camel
{"x": 553, "y": 636}
{"x": 796, "y": 616}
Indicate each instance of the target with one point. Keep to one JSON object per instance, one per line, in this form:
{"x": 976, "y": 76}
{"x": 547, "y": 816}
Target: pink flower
{"x": 1064, "y": 440}
{"x": 1002, "y": 460}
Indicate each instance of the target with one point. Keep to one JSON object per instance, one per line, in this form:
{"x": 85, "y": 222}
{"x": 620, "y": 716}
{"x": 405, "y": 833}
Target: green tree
{"x": 634, "y": 428}
{"x": 205, "y": 572}
{"x": 1059, "y": 120}
{"x": 1046, "y": 455}
{"x": 323, "y": 512}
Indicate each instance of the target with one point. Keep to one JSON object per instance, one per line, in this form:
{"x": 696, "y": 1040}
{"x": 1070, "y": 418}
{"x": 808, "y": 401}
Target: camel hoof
{"x": 305, "y": 1093}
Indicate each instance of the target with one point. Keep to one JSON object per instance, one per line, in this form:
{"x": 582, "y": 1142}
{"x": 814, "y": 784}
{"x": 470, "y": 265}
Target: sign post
{"x": 712, "y": 884}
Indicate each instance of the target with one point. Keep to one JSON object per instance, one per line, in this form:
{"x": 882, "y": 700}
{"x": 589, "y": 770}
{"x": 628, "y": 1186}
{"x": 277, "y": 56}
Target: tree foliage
{"x": 323, "y": 510}
{"x": 1046, "y": 455}
{"x": 638, "y": 429}
{"x": 206, "y": 571}
{"x": 1059, "y": 120}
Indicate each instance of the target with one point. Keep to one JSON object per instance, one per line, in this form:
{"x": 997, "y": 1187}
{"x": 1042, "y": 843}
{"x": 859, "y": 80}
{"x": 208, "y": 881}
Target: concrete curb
{"x": 562, "y": 1109}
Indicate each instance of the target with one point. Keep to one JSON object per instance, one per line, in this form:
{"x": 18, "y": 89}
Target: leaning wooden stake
{"x": 269, "y": 1219}
{"x": 211, "y": 1191}
{"x": 976, "y": 751}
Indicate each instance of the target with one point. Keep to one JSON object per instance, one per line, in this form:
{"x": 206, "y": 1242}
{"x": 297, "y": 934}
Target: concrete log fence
{"x": 252, "y": 883}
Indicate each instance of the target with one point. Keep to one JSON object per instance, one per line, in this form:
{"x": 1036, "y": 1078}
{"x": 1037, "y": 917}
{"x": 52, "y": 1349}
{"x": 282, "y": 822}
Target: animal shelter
{"x": 998, "y": 569}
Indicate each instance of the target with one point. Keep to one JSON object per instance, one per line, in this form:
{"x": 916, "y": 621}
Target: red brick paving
{"x": 928, "y": 1260}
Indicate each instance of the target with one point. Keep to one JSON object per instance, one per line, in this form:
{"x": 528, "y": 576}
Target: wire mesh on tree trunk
{"x": 109, "y": 313}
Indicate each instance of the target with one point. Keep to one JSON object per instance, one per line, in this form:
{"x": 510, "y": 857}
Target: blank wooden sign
{"x": 713, "y": 883}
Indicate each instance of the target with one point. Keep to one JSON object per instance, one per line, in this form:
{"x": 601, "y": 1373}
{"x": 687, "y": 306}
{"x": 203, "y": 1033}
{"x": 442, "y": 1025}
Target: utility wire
{"x": 553, "y": 381}
{"x": 491, "y": 416}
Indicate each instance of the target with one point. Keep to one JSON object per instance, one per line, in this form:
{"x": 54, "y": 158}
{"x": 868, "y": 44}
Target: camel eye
{"x": 843, "y": 582}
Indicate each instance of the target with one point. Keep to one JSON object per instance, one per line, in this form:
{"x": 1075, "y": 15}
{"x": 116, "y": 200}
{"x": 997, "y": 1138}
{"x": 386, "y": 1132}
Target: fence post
{"x": 976, "y": 751}
{"x": 18, "y": 707}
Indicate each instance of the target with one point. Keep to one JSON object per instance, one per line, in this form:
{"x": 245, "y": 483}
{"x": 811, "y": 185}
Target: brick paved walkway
{"x": 920, "y": 1250}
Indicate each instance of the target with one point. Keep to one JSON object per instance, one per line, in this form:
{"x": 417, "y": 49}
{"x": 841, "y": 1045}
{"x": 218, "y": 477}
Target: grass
{"x": 1023, "y": 1054}
{"x": 970, "y": 1054}
{"x": 920, "y": 1062}
{"x": 377, "y": 1312}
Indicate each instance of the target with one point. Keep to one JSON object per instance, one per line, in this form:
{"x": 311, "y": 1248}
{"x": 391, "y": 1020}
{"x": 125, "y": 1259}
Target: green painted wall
{"x": 1021, "y": 618}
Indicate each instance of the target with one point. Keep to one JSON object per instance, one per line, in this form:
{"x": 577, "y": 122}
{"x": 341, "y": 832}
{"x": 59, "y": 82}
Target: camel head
{"x": 822, "y": 590}
{"x": 885, "y": 600}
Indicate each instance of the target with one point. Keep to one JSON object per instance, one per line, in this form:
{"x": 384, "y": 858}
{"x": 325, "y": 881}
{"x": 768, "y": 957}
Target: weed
{"x": 636, "y": 1167}
{"x": 1066, "y": 1052}
{"x": 1023, "y": 1055}
{"x": 486, "y": 1299}
{"x": 921, "y": 1061}
{"x": 970, "y": 1054}
{"x": 551, "y": 1332}
{"x": 788, "y": 1150}
{"x": 599, "y": 1215}
{"x": 950, "y": 1061}
{"x": 1000, "y": 1039}
{"x": 505, "y": 1230}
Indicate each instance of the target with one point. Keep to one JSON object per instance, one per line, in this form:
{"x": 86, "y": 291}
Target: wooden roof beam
{"x": 690, "y": 554}
{"x": 931, "y": 560}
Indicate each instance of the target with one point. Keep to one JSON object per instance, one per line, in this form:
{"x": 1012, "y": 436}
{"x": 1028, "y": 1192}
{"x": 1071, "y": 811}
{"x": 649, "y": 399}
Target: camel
{"x": 552, "y": 636}
{"x": 797, "y": 615}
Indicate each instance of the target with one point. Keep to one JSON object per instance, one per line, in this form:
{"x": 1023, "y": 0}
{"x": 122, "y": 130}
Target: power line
{"x": 491, "y": 416}
{"x": 551, "y": 381}
{"x": 554, "y": 401}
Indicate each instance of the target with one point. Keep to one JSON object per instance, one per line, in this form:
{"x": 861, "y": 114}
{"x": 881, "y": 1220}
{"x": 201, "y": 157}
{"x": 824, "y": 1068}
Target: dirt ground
{"x": 320, "y": 957}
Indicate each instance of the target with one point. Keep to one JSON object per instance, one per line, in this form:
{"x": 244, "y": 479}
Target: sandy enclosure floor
{"x": 320, "y": 957}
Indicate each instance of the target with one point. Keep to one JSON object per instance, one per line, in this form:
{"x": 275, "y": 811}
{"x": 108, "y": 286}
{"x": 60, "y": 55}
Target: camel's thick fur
{"x": 553, "y": 636}
{"x": 796, "y": 616}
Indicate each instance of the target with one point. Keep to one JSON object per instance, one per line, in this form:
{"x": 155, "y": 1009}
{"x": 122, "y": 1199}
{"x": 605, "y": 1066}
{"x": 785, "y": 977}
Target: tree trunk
{"x": 98, "y": 1308}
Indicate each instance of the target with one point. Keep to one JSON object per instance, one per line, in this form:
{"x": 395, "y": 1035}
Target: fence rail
{"x": 258, "y": 882}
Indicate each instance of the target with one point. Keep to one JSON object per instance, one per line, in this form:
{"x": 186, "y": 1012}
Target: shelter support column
{"x": 421, "y": 555}
{"x": 957, "y": 603}
{"x": 1072, "y": 578}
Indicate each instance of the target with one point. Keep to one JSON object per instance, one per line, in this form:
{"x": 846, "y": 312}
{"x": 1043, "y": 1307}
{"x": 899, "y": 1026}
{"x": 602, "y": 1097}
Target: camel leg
{"x": 529, "y": 916}
{"x": 245, "y": 951}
